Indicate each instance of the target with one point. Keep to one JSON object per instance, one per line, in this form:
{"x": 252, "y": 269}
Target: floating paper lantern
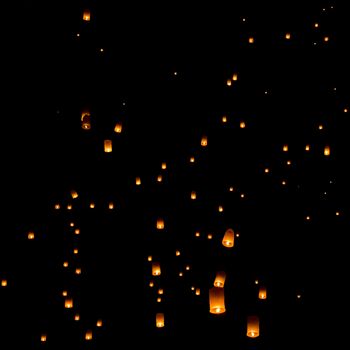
{"x": 163, "y": 165}
{"x": 110, "y": 205}
{"x": 86, "y": 120}
{"x": 92, "y": 205}
{"x": 252, "y": 326}
{"x": 197, "y": 291}
{"x": 235, "y": 77}
{"x": 57, "y": 206}
{"x": 74, "y": 194}
{"x": 220, "y": 279}
{"x": 229, "y": 238}
{"x": 242, "y": 125}
{"x": 88, "y": 335}
{"x": 327, "y": 151}
{"x": 108, "y": 146}
{"x": 285, "y": 148}
{"x": 68, "y": 303}
{"x": 3, "y": 283}
{"x": 43, "y": 338}
{"x": 99, "y": 323}
{"x": 160, "y": 224}
{"x": 262, "y": 292}
{"x": 31, "y": 235}
{"x": 159, "y": 319}
{"x": 193, "y": 195}
{"x": 86, "y": 15}
{"x": 118, "y": 128}
{"x": 216, "y": 300}
{"x": 204, "y": 141}
{"x": 156, "y": 271}
{"x": 76, "y": 317}
{"x": 138, "y": 181}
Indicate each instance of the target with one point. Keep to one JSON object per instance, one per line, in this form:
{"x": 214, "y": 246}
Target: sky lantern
{"x": 216, "y": 300}
{"x": 86, "y": 120}
{"x": 229, "y": 238}
{"x": 262, "y": 292}
{"x": 160, "y": 224}
{"x": 118, "y": 127}
{"x": 327, "y": 151}
{"x": 108, "y": 146}
{"x": 159, "y": 319}
{"x": 156, "y": 271}
{"x": 204, "y": 141}
{"x": 220, "y": 279}
{"x": 253, "y": 326}
{"x": 68, "y": 303}
{"x": 88, "y": 335}
{"x": 86, "y": 15}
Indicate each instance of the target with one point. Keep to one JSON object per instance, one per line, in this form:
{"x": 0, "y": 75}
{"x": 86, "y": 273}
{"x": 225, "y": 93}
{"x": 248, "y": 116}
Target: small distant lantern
{"x": 31, "y": 235}
{"x": 151, "y": 284}
{"x": 262, "y": 292}
{"x": 149, "y": 258}
{"x": 160, "y": 224}
{"x": 220, "y": 208}
{"x": 99, "y": 323}
{"x": 307, "y": 148}
{"x": 118, "y": 127}
{"x": 92, "y": 205}
{"x": 253, "y": 326}
{"x": 65, "y": 264}
{"x": 204, "y": 141}
{"x": 163, "y": 165}
{"x": 197, "y": 291}
{"x": 159, "y": 178}
{"x": 76, "y": 317}
{"x": 193, "y": 195}
{"x": 74, "y": 194}
{"x": 86, "y": 120}
{"x": 287, "y": 36}
{"x": 64, "y": 293}
{"x": 251, "y": 40}
{"x": 78, "y": 271}
{"x": 71, "y": 224}
{"x": 327, "y": 151}
{"x": 138, "y": 181}
{"x": 220, "y": 279}
{"x": 209, "y": 236}
{"x": 229, "y": 238}
{"x": 77, "y": 231}
{"x": 224, "y": 119}
{"x": 159, "y": 319}
{"x": 43, "y": 338}
{"x": 242, "y": 125}
{"x": 285, "y": 148}
{"x": 68, "y": 303}
{"x": 228, "y": 82}
{"x": 75, "y": 251}
{"x": 160, "y": 291}
{"x": 86, "y": 15}
{"x": 235, "y": 77}
{"x": 192, "y": 160}
{"x": 159, "y": 300}
{"x": 57, "y": 206}
{"x": 216, "y": 300}
{"x": 177, "y": 253}
{"x": 108, "y": 146}
{"x": 88, "y": 335}
{"x": 69, "y": 206}
{"x": 111, "y": 205}
{"x": 188, "y": 267}
{"x": 3, "y": 283}
{"x": 156, "y": 271}
{"x": 197, "y": 234}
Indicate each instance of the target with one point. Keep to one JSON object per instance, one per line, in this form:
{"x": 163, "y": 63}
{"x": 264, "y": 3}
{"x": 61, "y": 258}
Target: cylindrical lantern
{"x": 252, "y": 326}
{"x": 86, "y": 120}
{"x": 43, "y": 338}
{"x": 220, "y": 279}
{"x": 262, "y": 292}
{"x": 108, "y": 146}
{"x": 3, "y": 283}
{"x": 110, "y": 205}
{"x": 229, "y": 238}
{"x": 118, "y": 127}
{"x": 327, "y": 151}
{"x": 204, "y": 141}
{"x": 285, "y": 148}
{"x": 68, "y": 303}
{"x": 163, "y": 165}
{"x": 88, "y": 335}
{"x": 159, "y": 319}
{"x": 86, "y": 15}
{"x": 216, "y": 300}
{"x": 198, "y": 291}
{"x": 160, "y": 224}
{"x": 193, "y": 195}
{"x": 156, "y": 269}
{"x": 138, "y": 181}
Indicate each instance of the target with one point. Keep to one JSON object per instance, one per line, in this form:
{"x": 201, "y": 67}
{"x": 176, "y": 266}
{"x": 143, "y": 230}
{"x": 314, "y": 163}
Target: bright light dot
{"x": 197, "y": 234}
{"x": 3, "y": 283}
{"x": 256, "y": 282}
{"x": 224, "y": 119}
{"x": 298, "y": 296}
{"x": 316, "y": 25}
{"x": 284, "y": 182}
{"x": 187, "y": 267}
{"x": 251, "y": 40}
{"x": 76, "y": 317}
{"x": 57, "y": 206}
{"x": 307, "y": 148}
{"x": 289, "y": 162}
{"x": 99, "y": 323}
{"x": 243, "y": 19}
{"x": 326, "y": 38}
{"x": 175, "y": 73}
{"x": 242, "y": 195}
{"x": 221, "y": 208}
{"x": 78, "y": 35}
{"x": 287, "y": 36}
{"x": 192, "y": 160}
{"x": 320, "y": 127}
{"x": 345, "y": 110}
{"x": 231, "y": 189}
{"x": 101, "y": 49}
{"x": 31, "y": 235}
{"x": 210, "y": 236}
{"x": 228, "y": 82}
{"x": 242, "y": 125}
{"x": 308, "y": 218}
{"x": 337, "y": 213}
{"x": 267, "y": 170}
{"x": 65, "y": 264}
{"x": 180, "y": 274}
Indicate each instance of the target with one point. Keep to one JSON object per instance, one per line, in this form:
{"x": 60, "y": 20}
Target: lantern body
{"x": 88, "y": 335}
{"x": 198, "y": 291}
{"x": 216, "y": 300}
{"x": 108, "y": 146}
{"x": 156, "y": 271}
{"x": 160, "y": 224}
{"x": 327, "y": 151}
{"x": 86, "y": 15}
{"x": 86, "y": 121}
{"x": 68, "y": 303}
{"x": 262, "y": 292}
{"x": 229, "y": 238}
{"x": 159, "y": 319}
{"x": 138, "y": 181}
{"x": 118, "y": 128}
{"x": 220, "y": 279}
{"x": 204, "y": 141}
{"x": 252, "y": 326}
{"x": 193, "y": 195}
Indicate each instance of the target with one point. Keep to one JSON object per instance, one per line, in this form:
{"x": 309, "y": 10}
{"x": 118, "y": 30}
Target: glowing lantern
{"x": 64, "y": 293}
{"x": 159, "y": 319}
{"x": 43, "y": 338}
{"x": 193, "y": 195}
{"x": 118, "y": 128}
{"x": 229, "y": 238}
{"x": 86, "y": 120}
{"x": 220, "y": 279}
{"x": 76, "y": 317}
{"x": 163, "y": 165}
{"x": 192, "y": 160}
{"x": 159, "y": 178}
{"x": 287, "y": 36}
{"x": 110, "y": 205}
{"x": 224, "y": 119}
{"x": 216, "y": 300}
{"x": 108, "y": 146}
{"x": 197, "y": 291}
{"x": 57, "y": 206}
{"x": 88, "y": 335}
{"x": 156, "y": 271}
{"x": 220, "y": 209}
{"x": 209, "y": 236}
{"x": 68, "y": 303}
{"x": 3, "y": 283}
{"x": 262, "y": 292}
{"x": 252, "y": 326}
{"x": 188, "y": 267}
{"x": 242, "y": 125}
{"x": 251, "y": 40}
{"x": 92, "y": 205}
{"x": 197, "y": 234}
{"x": 77, "y": 231}
{"x": 160, "y": 291}
{"x": 285, "y": 148}
{"x": 228, "y": 82}
{"x": 151, "y": 284}
{"x": 31, "y": 235}
{"x": 75, "y": 251}
{"x": 307, "y": 148}
{"x": 69, "y": 206}
{"x": 234, "y": 77}
{"x": 99, "y": 323}
{"x": 149, "y": 258}
{"x": 159, "y": 299}
{"x": 86, "y": 15}
{"x": 78, "y": 271}
{"x": 177, "y": 253}
{"x": 65, "y": 264}
{"x": 160, "y": 224}
{"x": 138, "y": 181}
{"x": 327, "y": 151}
{"x": 74, "y": 194}
{"x": 204, "y": 141}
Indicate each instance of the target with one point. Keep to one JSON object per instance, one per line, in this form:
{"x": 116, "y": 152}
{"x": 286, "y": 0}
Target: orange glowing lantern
{"x": 160, "y": 224}
{"x": 327, "y": 151}
{"x": 68, "y": 303}
{"x": 159, "y": 319}
{"x": 57, "y": 206}
{"x": 251, "y": 40}
{"x": 242, "y": 125}
{"x": 262, "y": 292}
{"x": 177, "y": 253}
{"x": 156, "y": 271}
{"x": 253, "y": 326}
{"x": 149, "y": 258}
{"x": 88, "y": 335}
{"x": 108, "y": 146}
{"x": 76, "y": 317}
{"x": 216, "y": 300}
{"x": 118, "y": 128}
{"x": 92, "y": 205}
{"x": 74, "y": 194}
{"x": 197, "y": 291}
{"x": 43, "y": 338}
{"x": 111, "y": 205}
{"x": 86, "y": 15}
{"x": 99, "y": 323}
{"x": 31, "y": 235}
{"x": 204, "y": 141}
{"x": 228, "y": 82}
{"x": 229, "y": 238}
{"x": 86, "y": 120}
{"x": 4, "y": 283}
{"x": 285, "y": 148}
{"x": 163, "y": 165}
{"x": 138, "y": 181}
{"x": 193, "y": 195}
{"x": 220, "y": 279}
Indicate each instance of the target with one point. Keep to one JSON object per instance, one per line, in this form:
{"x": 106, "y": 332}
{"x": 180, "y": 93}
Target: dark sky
{"x": 162, "y": 74}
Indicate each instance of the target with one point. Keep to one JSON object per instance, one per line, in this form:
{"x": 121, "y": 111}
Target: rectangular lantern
{"x": 252, "y": 326}
{"x": 156, "y": 269}
{"x": 159, "y": 319}
{"x": 229, "y": 238}
{"x": 262, "y": 292}
{"x": 108, "y": 146}
{"x": 216, "y": 300}
{"x": 86, "y": 15}
{"x": 220, "y": 279}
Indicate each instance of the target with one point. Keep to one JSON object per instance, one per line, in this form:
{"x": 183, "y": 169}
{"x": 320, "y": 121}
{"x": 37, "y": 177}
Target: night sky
{"x": 265, "y": 85}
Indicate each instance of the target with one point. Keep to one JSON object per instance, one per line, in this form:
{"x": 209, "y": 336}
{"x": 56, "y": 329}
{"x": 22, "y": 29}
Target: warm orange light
{"x": 216, "y": 300}
{"x": 262, "y": 292}
{"x": 156, "y": 271}
{"x": 77, "y": 231}
{"x": 69, "y": 207}
{"x": 3, "y": 283}
{"x": 99, "y": 323}
{"x": 198, "y": 291}
{"x": 118, "y": 127}
{"x": 177, "y": 253}
{"x": 228, "y": 82}
{"x": 138, "y": 181}
{"x": 327, "y": 151}
{"x": 86, "y": 120}
{"x": 188, "y": 267}
{"x": 76, "y": 317}
{"x": 192, "y": 160}
{"x": 88, "y": 335}
{"x": 64, "y": 293}
{"x": 251, "y": 40}
{"x": 43, "y": 338}
{"x": 242, "y": 125}
{"x": 235, "y": 77}
{"x": 151, "y": 284}
{"x": 193, "y": 195}
{"x": 159, "y": 319}
{"x": 204, "y": 141}
{"x": 31, "y": 235}
{"x": 159, "y": 300}
{"x": 229, "y": 238}
{"x": 92, "y": 205}
{"x": 110, "y": 205}
{"x": 65, "y": 264}
{"x": 163, "y": 165}
{"x": 68, "y": 303}
{"x": 160, "y": 291}
{"x": 160, "y": 224}
{"x": 307, "y": 148}
{"x": 108, "y": 146}
{"x": 220, "y": 208}
{"x": 287, "y": 36}
{"x": 267, "y": 170}
{"x": 57, "y": 206}
{"x": 220, "y": 279}
{"x": 209, "y": 236}
{"x": 74, "y": 194}
{"x": 159, "y": 178}
{"x": 285, "y": 148}
{"x": 224, "y": 119}
{"x": 253, "y": 326}
{"x": 197, "y": 234}
{"x": 78, "y": 271}
{"x": 86, "y": 15}
{"x": 149, "y": 258}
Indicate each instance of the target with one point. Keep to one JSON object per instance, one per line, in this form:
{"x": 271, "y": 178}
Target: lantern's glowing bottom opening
{"x": 217, "y": 310}
{"x": 160, "y": 324}
{"x": 228, "y": 244}
{"x": 252, "y": 334}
